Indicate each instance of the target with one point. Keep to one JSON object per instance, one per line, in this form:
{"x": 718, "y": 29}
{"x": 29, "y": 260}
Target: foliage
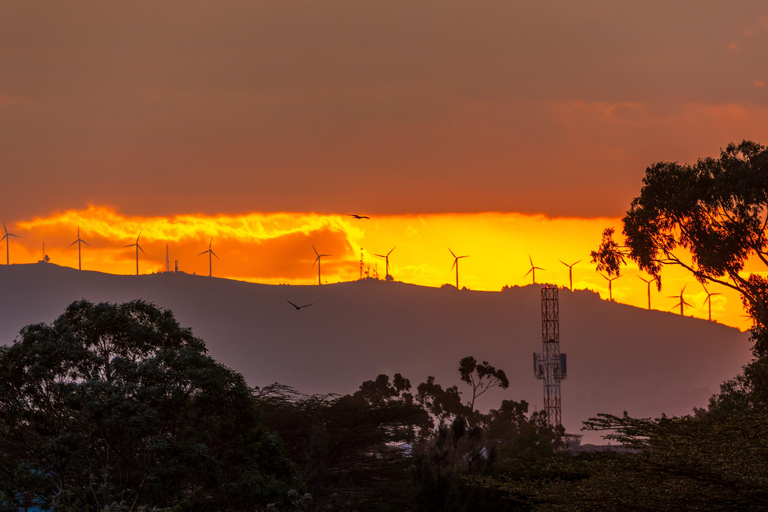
{"x": 481, "y": 377}
{"x": 350, "y": 449}
{"x": 716, "y": 210}
{"x": 116, "y": 405}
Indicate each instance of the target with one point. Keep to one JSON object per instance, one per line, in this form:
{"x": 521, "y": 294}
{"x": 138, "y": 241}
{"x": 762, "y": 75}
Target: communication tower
{"x": 550, "y": 365}
{"x": 361, "y": 263}
{"x": 167, "y": 261}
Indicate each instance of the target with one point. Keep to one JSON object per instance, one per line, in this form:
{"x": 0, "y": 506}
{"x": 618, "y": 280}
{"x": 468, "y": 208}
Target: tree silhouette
{"x": 715, "y": 209}
{"x": 481, "y": 377}
{"x": 117, "y": 404}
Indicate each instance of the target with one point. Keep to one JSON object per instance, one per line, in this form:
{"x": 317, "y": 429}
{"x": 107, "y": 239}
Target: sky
{"x": 500, "y": 129}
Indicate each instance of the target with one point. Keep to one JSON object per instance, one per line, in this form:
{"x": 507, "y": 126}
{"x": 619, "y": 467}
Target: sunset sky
{"x": 500, "y": 129}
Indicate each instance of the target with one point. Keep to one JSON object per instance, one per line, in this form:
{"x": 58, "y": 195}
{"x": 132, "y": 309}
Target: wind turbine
{"x": 78, "y": 242}
{"x": 534, "y": 269}
{"x": 318, "y": 260}
{"x": 648, "y": 282}
{"x": 7, "y": 237}
{"x": 610, "y": 284}
{"x": 456, "y": 264}
{"x": 570, "y": 272}
{"x": 682, "y": 302}
{"x": 386, "y": 257}
{"x": 708, "y": 301}
{"x": 138, "y": 248}
{"x": 210, "y": 260}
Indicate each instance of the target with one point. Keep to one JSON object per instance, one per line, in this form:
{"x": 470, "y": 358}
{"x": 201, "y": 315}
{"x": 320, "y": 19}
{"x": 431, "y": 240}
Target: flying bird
{"x": 358, "y": 216}
{"x": 298, "y": 307}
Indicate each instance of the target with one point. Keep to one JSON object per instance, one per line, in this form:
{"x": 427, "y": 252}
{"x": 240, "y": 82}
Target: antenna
{"x": 534, "y": 269}
{"x": 610, "y": 284}
{"x": 80, "y": 241}
{"x": 386, "y": 257}
{"x": 167, "y": 261}
{"x": 648, "y": 282}
{"x": 455, "y": 264}
{"x": 7, "y": 237}
{"x": 708, "y": 300}
{"x": 138, "y": 248}
{"x": 682, "y": 302}
{"x": 550, "y": 365}
{"x": 210, "y": 260}
{"x": 570, "y": 272}
{"x": 318, "y": 260}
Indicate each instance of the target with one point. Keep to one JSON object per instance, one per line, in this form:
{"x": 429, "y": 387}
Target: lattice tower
{"x": 550, "y": 364}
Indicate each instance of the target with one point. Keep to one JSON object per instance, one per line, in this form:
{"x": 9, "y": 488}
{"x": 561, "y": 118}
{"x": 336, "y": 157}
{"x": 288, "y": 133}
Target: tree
{"x": 481, "y": 377}
{"x": 117, "y": 404}
{"x": 715, "y": 209}
{"x": 353, "y": 450}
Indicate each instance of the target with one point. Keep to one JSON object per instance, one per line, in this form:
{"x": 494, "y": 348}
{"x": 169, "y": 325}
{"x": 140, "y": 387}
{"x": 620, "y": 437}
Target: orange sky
{"x": 185, "y": 117}
{"x": 277, "y": 248}
{"x": 387, "y": 107}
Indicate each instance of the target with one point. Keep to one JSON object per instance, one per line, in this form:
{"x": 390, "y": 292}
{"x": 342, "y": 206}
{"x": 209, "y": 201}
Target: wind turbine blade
{"x": 215, "y": 255}
{"x": 142, "y": 250}
{"x": 459, "y": 257}
{"x": 574, "y": 264}
{"x": 454, "y": 263}
{"x": 564, "y": 263}
{"x": 390, "y": 252}
{"x": 530, "y": 259}
{"x": 204, "y": 252}
{"x": 313, "y": 248}
{"x": 380, "y": 255}
{"x": 73, "y": 243}
{"x": 526, "y": 274}
{"x": 316, "y": 260}
{"x": 137, "y": 238}
{"x": 681, "y": 291}
{"x": 4, "y": 237}
{"x": 449, "y": 250}
{"x": 86, "y": 243}
{"x": 129, "y": 245}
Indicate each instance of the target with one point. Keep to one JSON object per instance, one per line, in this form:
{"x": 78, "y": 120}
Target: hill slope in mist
{"x": 619, "y": 357}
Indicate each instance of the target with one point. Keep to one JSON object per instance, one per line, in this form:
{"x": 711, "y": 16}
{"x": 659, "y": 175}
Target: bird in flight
{"x": 358, "y": 216}
{"x": 298, "y": 307}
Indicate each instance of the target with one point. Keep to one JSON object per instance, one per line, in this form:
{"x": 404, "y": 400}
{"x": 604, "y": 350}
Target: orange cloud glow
{"x": 276, "y": 248}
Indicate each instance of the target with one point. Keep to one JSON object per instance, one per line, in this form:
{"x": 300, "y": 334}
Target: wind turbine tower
{"x": 708, "y": 300}
{"x": 78, "y": 242}
{"x": 682, "y": 302}
{"x": 550, "y": 365}
{"x": 138, "y": 248}
{"x": 648, "y": 282}
{"x": 386, "y": 258}
{"x": 455, "y": 264}
{"x": 7, "y": 237}
{"x": 318, "y": 260}
{"x": 534, "y": 269}
{"x": 210, "y": 259}
{"x": 570, "y": 272}
{"x": 610, "y": 285}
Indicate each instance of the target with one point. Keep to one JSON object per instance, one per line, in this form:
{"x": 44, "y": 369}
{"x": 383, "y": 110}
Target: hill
{"x": 619, "y": 357}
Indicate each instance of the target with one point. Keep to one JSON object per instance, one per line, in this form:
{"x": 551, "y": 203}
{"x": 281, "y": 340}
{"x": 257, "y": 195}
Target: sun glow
{"x": 275, "y": 248}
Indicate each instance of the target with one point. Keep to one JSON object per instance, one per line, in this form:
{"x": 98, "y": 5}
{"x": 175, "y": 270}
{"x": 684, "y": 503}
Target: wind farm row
{"x": 680, "y": 305}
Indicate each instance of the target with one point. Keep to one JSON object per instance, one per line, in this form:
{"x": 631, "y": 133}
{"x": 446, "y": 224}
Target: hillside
{"x": 619, "y": 357}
